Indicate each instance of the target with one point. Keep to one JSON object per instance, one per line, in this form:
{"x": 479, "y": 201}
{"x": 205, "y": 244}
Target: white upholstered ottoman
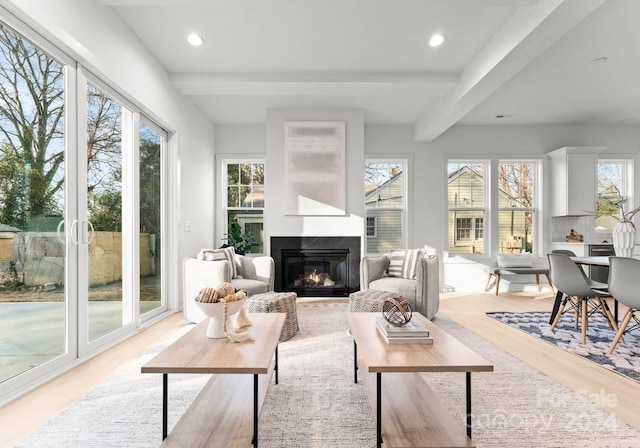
{"x": 369, "y": 300}
{"x": 277, "y": 302}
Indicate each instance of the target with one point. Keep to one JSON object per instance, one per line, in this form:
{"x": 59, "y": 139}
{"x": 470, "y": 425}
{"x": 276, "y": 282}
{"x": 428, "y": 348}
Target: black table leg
{"x": 379, "y": 410}
{"x": 556, "y": 306}
{"x": 355, "y": 362}
{"x": 276, "y": 367}
{"x": 165, "y": 405}
{"x": 255, "y": 410}
{"x": 469, "y": 404}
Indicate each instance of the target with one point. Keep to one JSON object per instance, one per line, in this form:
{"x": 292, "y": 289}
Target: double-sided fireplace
{"x": 316, "y": 266}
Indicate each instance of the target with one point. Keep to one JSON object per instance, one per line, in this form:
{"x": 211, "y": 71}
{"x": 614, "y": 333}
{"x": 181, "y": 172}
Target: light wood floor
{"x": 613, "y": 392}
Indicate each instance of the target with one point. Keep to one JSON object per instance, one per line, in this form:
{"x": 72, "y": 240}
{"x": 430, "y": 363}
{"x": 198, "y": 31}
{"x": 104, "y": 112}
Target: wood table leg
{"x": 556, "y": 307}
{"x": 486, "y": 287}
{"x": 550, "y": 284}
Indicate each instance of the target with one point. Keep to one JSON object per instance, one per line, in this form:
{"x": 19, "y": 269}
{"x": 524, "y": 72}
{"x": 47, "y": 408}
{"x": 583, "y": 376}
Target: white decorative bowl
{"x": 214, "y": 311}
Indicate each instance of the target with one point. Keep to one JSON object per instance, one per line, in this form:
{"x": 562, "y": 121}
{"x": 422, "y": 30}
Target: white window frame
{"x": 374, "y": 226}
{"x": 534, "y": 209}
{"x": 404, "y": 208}
{"x": 222, "y": 221}
{"x": 491, "y": 209}
{"x": 456, "y": 208}
{"x": 628, "y": 183}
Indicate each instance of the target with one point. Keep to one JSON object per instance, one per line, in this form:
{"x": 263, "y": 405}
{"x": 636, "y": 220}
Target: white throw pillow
{"x": 515, "y": 260}
{"x": 403, "y": 262}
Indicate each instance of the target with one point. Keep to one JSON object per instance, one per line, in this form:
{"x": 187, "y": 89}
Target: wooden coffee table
{"x": 222, "y": 413}
{"x": 407, "y": 412}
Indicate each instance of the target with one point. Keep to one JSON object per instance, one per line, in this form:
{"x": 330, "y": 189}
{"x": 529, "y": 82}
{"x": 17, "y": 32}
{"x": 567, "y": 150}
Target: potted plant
{"x": 241, "y": 242}
{"x": 624, "y": 233}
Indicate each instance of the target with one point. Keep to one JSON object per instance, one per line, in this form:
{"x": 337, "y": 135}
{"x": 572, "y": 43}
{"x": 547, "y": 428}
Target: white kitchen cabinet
{"x": 574, "y": 180}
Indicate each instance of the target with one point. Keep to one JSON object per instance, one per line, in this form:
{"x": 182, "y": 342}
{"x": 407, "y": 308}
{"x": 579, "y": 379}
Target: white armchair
{"x": 255, "y": 275}
{"x": 422, "y": 292}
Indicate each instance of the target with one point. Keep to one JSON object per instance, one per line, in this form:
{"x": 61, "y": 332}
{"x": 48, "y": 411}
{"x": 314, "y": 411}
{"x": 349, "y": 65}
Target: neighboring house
{"x": 384, "y": 204}
{"x": 466, "y": 204}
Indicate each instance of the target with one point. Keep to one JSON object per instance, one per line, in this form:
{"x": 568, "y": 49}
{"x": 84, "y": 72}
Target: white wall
{"x": 94, "y": 36}
{"x": 276, "y": 222}
{"x": 267, "y": 142}
{"x": 427, "y": 173}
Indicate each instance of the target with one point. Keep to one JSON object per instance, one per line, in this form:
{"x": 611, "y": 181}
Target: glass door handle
{"x": 59, "y": 233}
{"x": 72, "y": 233}
{"x": 89, "y": 233}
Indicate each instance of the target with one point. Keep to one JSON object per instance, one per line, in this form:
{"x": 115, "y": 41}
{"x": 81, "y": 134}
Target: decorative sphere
{"x": 396, "y": 311}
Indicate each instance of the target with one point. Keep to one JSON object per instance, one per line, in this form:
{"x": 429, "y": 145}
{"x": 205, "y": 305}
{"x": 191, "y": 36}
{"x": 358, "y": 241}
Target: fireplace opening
{"x": 316, "y": 269}
{"x": 316, "y": 266}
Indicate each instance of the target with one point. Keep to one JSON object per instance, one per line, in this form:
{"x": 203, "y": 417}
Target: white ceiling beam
{"x": 528, "y": 33}
{"x": 315, "y": 84}
{"x": 487, "y": 3}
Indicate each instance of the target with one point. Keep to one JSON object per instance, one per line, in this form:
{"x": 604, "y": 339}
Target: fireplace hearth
{"x": 316, "y": 266}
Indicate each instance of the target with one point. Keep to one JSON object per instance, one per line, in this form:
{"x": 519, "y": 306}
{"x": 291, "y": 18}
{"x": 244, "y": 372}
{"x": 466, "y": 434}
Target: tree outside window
{"x": 517, "y": 206}
{"x": 245, "y": 199}
{"x": 613, "y": 183}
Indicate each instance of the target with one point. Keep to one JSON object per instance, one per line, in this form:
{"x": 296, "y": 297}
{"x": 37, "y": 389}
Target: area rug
{"x": 317, "y": 405}
{"x": 625, "y": 360}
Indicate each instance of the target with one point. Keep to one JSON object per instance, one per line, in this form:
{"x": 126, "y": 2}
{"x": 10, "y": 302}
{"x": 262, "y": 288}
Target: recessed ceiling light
{"x": 195, "y": 39}
{"x": 437, "y": 39}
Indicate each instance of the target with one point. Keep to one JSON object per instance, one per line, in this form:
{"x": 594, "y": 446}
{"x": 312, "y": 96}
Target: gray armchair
{"x": 423, "y": 292}
{"x": 255, "y": 275}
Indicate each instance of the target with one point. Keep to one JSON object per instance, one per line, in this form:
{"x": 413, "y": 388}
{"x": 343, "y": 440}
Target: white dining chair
{"x": 579, "y": 293}
{"x": 624, "y": 285}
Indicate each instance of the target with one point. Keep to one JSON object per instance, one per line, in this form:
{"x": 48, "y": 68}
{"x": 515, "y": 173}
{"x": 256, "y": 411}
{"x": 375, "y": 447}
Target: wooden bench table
{"x": 407, "y": 412}
{"x": 225, "y": 413}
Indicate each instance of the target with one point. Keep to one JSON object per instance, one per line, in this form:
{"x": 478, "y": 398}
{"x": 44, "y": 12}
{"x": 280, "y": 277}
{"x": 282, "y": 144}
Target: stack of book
{"x": 412, "y": 333}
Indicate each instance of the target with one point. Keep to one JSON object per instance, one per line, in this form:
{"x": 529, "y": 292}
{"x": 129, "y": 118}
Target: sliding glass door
{"x": 34, "y": 313}
{"x": 102, "y": 232}
{"x": 81, "y": 214}
{"x": 151, "y": 148}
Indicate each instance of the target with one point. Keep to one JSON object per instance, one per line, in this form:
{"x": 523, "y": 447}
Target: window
{"x": 372, "y": 230}
{"x": 245, "y": 198}
{"x": 614, "y": 182}
{"x": 466, "y": 204}
{"x": 385, "y": 199}
{"x": 517, "y": 188}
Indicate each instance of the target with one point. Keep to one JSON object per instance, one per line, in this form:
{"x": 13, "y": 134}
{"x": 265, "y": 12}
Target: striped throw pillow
{"x": 228, "y": 253}
{"x": 403, "y": 262}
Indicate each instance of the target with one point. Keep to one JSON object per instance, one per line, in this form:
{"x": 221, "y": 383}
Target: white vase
{"x": 215, "y": 312}
{"x": 624, "y": 239}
